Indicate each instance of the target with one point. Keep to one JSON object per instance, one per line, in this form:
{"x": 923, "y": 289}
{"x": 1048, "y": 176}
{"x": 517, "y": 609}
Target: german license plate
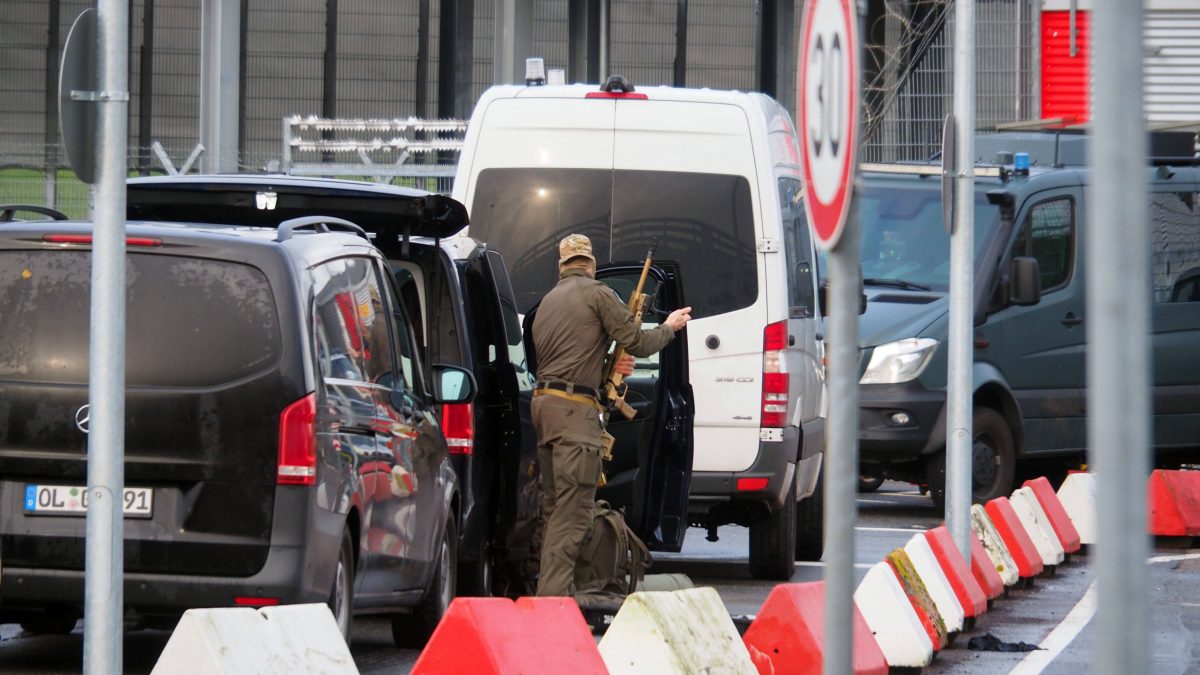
{"x": 72, "y": 500}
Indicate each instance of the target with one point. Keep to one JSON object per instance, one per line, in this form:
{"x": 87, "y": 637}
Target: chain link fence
{"x": 911, "y": 91}
{"x": 379, "y": 73}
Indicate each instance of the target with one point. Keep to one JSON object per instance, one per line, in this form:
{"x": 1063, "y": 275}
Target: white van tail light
{"x": 775, "y": 379}
{"x": 298, "y": 443}
{"x": 458, "y": 425}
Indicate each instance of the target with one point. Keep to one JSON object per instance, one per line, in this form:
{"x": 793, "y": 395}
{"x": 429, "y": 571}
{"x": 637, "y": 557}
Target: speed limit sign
{"x": 827, "y": 101}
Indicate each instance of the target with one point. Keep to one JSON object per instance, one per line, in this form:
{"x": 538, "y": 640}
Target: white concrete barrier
{"x": 1078, "y": 497}
{"x": 930, "y": 571}
{"x": 675, "y": 632}
{"x": 981, "y": 524}
{"x": 892, "y": 619}
{"x": 288, "y": 640}
{"x": 1037, "y": 524}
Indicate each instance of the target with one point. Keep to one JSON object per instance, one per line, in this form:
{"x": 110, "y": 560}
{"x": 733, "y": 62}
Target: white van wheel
{"x": 773, "y": 540}
{"x": 810, "y": 525}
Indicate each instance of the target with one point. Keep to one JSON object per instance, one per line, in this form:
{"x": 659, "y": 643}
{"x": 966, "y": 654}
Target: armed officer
{"x": 575, "y": 323}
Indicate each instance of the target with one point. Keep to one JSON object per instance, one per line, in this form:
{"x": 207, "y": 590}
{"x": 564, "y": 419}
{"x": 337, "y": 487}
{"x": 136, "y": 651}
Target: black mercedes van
{"x": 283, "y": 442}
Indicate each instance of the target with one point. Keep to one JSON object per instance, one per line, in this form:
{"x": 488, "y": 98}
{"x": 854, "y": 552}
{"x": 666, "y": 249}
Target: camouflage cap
{"x": 575, "y": 246}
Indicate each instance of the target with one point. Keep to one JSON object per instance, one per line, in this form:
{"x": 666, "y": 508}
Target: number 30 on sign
{"x": 827, "y": 103}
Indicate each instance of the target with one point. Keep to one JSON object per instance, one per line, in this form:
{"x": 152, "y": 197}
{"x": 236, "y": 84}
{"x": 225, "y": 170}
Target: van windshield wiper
{"x": 895, "y": 283}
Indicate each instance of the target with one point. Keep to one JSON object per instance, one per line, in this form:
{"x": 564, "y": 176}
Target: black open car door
{"x": 651, "y": 469}
{"x": 652, "y": 456}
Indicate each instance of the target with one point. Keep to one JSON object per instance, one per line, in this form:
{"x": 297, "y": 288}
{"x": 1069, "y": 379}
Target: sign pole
{"x": 841, "y": 459}
{"x": 961, "y": 347}
{"x": 828, "y": 99}
{"x": 1118, "y": 351}
{"x": 105, "y": 556}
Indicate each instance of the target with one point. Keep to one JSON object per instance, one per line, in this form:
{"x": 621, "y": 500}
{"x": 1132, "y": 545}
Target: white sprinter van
{"x": 713, "y": 177}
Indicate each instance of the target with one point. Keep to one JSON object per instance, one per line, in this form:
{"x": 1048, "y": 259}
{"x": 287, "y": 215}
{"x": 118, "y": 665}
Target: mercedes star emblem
{"x": 81, "y": 418}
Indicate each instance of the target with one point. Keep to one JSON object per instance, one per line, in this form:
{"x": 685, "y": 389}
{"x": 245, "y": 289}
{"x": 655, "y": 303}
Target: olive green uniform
{"x": 574, "y": 326}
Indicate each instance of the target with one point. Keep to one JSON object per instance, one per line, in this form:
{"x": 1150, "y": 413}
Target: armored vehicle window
{"x": 190, "y": 322}
{"x": 904, "y": 236}
{"x": 1175, "y": 244}
{"x": 1048, "y": 234}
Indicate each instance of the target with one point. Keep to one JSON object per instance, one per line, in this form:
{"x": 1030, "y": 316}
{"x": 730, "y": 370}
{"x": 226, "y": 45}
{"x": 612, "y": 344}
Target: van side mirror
{"x": 1025, "y": 281}
{"x": 452, "y": 384}
{"x": 823, "y": 298}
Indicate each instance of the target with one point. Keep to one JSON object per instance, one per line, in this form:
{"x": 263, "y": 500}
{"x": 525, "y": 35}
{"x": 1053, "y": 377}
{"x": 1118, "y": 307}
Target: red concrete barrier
{"x": 984, "y": 571}
{"x": 1022, "y": 548}
{"x": 1174, "y": 498}
{"x": 954, "y": 566}
{"x": 497, "y": 636}
{"x": 1059, "y": 520}
{"x": 918, "y": 596}
{"x": 788, "y": 634}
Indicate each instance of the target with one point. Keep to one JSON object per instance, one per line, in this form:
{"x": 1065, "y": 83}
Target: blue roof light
{"x": 1021, "y": 162}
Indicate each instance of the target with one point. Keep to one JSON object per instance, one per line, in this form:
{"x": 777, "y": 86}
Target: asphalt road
{"x": 1055, "y": 612}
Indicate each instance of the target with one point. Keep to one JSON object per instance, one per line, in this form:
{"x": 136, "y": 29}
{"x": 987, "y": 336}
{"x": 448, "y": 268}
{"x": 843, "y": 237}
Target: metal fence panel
{"x": 915, "y": 86}
{"x": 377, "y": 46}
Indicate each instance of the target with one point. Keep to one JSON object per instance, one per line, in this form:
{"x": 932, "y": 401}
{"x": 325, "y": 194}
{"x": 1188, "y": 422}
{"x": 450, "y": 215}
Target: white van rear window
{"x": 703, "y": 221}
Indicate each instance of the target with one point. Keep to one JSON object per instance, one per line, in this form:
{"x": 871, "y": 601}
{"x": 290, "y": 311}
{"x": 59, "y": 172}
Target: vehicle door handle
{"x": 1071, "y": 320}
{"x": 356, "y": 430}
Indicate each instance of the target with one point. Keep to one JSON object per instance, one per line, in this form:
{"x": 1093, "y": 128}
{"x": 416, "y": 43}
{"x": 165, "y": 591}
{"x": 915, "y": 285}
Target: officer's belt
{"x": 571, "y": 392}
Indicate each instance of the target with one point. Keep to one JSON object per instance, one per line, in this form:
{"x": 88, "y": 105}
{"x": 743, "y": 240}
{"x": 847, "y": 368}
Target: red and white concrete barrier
{"x": 970, "y": 596}
{"x": 1078, "y": 497}
{"x": 993, "y": 544}
{"x": 282, "y": 640}
{"x": 788, "y": 634}
{"x": 984, "y": 570}
{"x": 1037, "y": 526}
{"x": 892, "y": 619}
{"x": 1067, "y": 535}
{"x": 664, "y": 632}
{"x": 492, "y": 636}
{"x": 918, "y": 596}
{"x": 1174, "y": 503}
{"x": 1020, "y": 546}
{"x": 936, "y": 582}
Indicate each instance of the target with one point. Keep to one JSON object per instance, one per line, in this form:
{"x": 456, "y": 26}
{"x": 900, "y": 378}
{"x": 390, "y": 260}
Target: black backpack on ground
{"x": 612, "y": 559}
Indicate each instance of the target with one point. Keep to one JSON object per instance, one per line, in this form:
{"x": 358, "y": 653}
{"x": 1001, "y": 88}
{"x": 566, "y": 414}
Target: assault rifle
{"x": 614, "y": 385}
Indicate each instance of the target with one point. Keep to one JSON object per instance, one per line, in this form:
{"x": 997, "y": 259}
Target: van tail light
{"x": 775, "y": 378}
{"x": 458, "y": 425}
{"x": 298, "y": 443}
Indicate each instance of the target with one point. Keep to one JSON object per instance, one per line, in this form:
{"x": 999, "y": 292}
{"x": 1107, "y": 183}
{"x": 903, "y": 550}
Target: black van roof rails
{"x": 287, "y": 229}
{"x": 9, "y": 211}
{"x": 981, "y": 170}
{"x": 1053, "y": 142}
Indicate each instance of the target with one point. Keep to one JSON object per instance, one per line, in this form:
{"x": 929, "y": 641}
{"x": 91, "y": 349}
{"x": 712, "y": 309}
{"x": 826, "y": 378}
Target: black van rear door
{"x": 652, "y": 464}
